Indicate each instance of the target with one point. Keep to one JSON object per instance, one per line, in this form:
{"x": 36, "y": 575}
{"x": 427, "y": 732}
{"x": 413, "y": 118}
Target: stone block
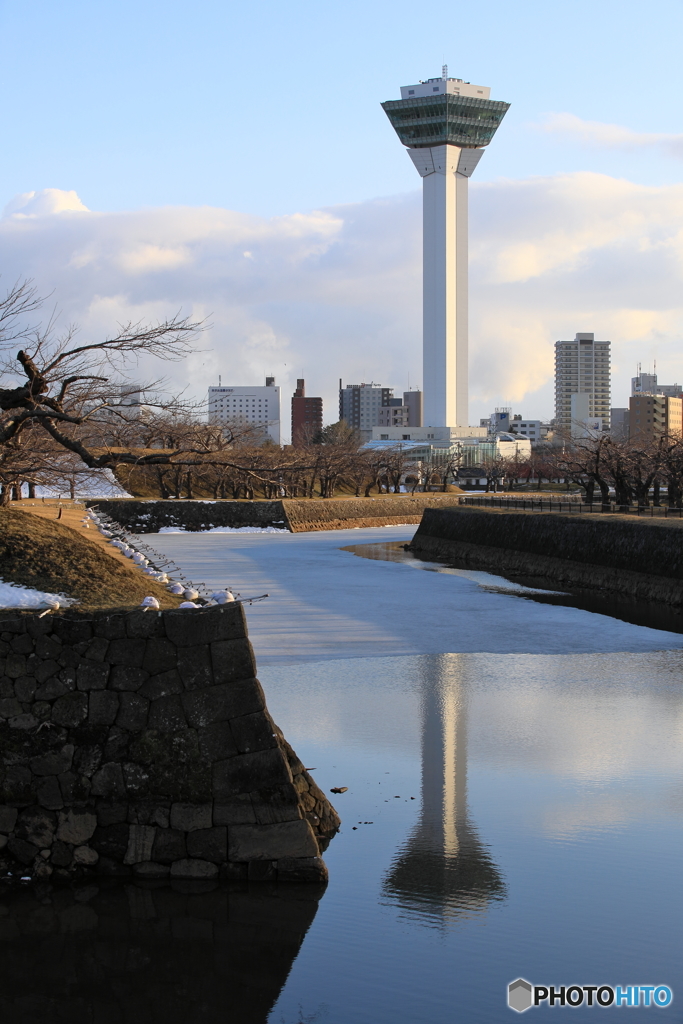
{"x": 22, "y": 644}
{"x": 15, "y": 666}
{"x": 232, "y": 659}
{"x": 206, "y": 626}
{"x": 71, "y": 631}
{"x": 54, "y": 687}
{"x": 275, "y": 803}
{"x": 8, "y": 818}
{"x": 9, "y": 707}
{"x": 169, "y": 845}
{"x": 302, "y": 869}
{"x": 25, "y": 688}
{"x": 237, "y": 811}
{"x": 246, "y": 773}
{"x": 150, "y": 870}
{"x": 271, "y": 842}
{"x": 163, "y": 685}
{"x": 234, "y": 872}
{"x": 54, "y": 762}
{"x": 60, "y": 854}
{"x": 6, "y": 686}
{"x": 49, "y": 794}
{"x": 137, "y": 779}
{"x": 191, "y": 868}
{"x": 144, "y": 624}
{"x": 96, "y": 649}
{"x": 85, "y": 856}
{"x": 127, "y": 652}
{"x": 112, "y": 813}
{"x": 103, "y": 707}
{"x": 70, "y": 710}
{"x": 68, "y": 658}
{"x": 89, "y": 750}
{"x": 76, "y": 827}
{"x": 216, "y": 742}
{"x": 133, "y": 712}
{"x": 92, "y": 675}
{"x": 112, "y": 840}
{"x": 262, "y": 871}
{"x": 75, "y": 788}
{"x": 16, "y": 789}
{"x": 188, "y": 817}
{"x": 194, "y": 666}
{"x": 24, "y": 852}
{"x": 253, "y": 732}
{"x": 42, "y": 710}
{"x": 118, "y": 741}
{"x": 24, "y": 721}
{"x": 218, "y": 703}
{"x": 36, "y": 825}
{"x": 140, "y": 843}
{"x": 160, "y": 656}
{"x": 166, "y": 714}
{"x": 108, "y": 781}
{"x": 42, "y": 670}
{"x": 160, "y": 816}
{"x": 111, "y": 627}
{"x": 125, "y": 677}
{"x": 47, "y": 648}
{"x": 209, "y": 844}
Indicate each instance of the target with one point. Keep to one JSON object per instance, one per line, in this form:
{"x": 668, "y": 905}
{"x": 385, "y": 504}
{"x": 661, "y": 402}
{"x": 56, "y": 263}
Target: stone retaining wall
{"x": 641, "y": 558}
{"x": 298, "y": 515}
{"x": 140, "y": 743}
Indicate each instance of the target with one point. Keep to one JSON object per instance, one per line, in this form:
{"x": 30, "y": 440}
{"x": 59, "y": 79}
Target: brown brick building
{"x": 307, "y": 414}
{"x": 652, "y": 416}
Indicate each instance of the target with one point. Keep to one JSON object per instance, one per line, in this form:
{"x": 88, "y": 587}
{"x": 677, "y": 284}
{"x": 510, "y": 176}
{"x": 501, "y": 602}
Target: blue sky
{"x": 271, "y": 110}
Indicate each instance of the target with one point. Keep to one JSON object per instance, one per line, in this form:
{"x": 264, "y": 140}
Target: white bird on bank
{"x": 190, "y": 594}
{"x": 150, "y": 602}
{"x": 176, "y": 588}
{"x": 222, "y": 597}
{"x": 188, "y": 604}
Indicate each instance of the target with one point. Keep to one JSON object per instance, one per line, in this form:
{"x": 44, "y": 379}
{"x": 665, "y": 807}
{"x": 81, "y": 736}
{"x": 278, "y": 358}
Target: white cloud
{"x": 337, "y": 293}
{"x": 609, "y": 136}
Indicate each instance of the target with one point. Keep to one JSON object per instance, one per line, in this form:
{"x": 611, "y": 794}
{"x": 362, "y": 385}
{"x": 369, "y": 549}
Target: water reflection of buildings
{"x": 444, "y": 871}
{"x": 128, "y": 955}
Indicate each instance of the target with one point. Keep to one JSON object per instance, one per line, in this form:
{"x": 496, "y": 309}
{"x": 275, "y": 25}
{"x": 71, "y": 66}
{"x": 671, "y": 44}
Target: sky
{"x": 234, "y": 161}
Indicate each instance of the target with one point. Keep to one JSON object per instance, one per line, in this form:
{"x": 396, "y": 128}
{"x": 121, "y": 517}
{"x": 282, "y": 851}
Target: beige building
{"x": 582, "y": 384}
{"x": 652, "y": 416}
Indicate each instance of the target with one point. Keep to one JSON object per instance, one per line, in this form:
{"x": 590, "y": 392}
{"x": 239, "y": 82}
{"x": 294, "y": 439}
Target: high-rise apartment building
{"x": 652, "y": 416}
{"x": 445, "y": 123}
{"x": 244, "y": 406}
{"x": 582, "y": 381}
{"x": 359, "y": 404}
{"x": 307, "y": 414}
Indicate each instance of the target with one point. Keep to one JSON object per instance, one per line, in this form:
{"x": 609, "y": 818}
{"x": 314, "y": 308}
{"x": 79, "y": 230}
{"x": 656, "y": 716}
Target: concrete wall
{"x": 141, "y": 744}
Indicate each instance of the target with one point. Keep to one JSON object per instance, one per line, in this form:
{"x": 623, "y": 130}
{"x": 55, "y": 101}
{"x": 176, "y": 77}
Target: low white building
{"x": 445, "y": 435}
{"x": 248, "y": 406}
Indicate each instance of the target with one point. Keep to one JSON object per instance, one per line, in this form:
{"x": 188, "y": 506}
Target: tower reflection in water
{"x": 444, "y": 872}
{"x": 127, "y": 954}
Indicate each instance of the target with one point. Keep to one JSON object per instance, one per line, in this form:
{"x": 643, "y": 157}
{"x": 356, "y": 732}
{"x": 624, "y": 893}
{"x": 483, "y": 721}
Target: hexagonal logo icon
{"x": 519, "y": 995}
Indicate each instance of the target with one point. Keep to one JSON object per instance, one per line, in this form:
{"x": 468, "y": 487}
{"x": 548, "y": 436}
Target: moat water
{"x": 514, "y": 808}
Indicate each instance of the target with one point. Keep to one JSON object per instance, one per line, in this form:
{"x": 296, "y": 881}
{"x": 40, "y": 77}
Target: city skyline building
{"x": 652, "y": 416}
{"x": 582, "y": 384}
{"x": 646, "y": 384}
{"x": 360, "y": 404}
{"x": 258, "y": 407}
{"x": 307, "y": 414}
{"x": 445, "y": 123}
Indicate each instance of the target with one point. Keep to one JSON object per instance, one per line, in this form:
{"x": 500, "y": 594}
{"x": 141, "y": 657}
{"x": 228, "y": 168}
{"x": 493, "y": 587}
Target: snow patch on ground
{"x": 225, "y": 529}
{"x": 14, "y": 596}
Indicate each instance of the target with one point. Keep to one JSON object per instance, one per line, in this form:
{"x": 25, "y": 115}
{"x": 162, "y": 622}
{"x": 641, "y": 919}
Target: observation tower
{"x": 445, "y": 123}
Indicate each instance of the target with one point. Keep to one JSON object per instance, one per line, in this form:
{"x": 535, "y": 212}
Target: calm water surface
{"x": 507, "y": 814}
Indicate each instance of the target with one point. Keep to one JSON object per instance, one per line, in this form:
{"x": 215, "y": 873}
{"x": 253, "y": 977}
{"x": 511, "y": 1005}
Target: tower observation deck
{"x": 445, "y": 123}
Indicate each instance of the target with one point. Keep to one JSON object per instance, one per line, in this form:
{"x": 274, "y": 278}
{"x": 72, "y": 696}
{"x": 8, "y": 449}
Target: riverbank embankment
{"x": 641, "y": 558}
{"x": 296, "y": 515}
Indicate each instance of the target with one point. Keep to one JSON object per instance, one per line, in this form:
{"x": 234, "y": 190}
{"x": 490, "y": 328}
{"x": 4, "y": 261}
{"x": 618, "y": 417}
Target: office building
{"x": 406, "y": 413}
{"x": 646, "y": 384}
{"x": 618, "y": 424}
{"x": 652, "y": 416}
{"x": 239, "y": 407}
{"x": 445, "y": 123}
{"x": 360, "y": 404}
{"x": 307, "y": 414}
{"x": 414, "y": 404}
{"x": 582, "y": 384}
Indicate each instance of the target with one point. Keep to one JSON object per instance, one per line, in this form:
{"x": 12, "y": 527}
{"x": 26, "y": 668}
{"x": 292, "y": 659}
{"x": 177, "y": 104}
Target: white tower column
{"x": 445, "y": 170}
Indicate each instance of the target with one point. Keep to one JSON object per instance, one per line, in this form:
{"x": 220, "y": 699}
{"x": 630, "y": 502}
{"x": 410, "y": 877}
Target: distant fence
{"x": 547, "y": 505}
